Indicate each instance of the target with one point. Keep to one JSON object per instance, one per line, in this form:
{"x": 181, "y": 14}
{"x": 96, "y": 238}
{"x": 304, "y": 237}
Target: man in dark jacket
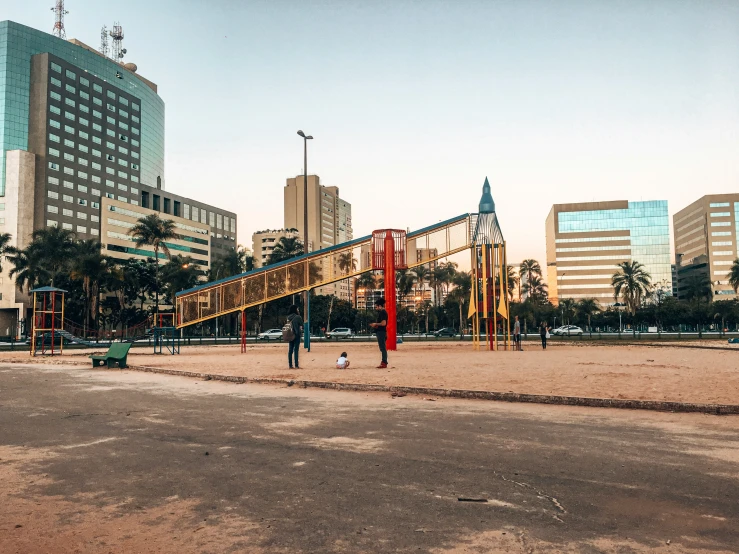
{"x": 293, "y": 317}
{"x": 380, "y": 327}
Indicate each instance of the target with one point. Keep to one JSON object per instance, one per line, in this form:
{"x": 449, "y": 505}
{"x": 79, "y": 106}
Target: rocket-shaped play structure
{"x": 488, "y": 299}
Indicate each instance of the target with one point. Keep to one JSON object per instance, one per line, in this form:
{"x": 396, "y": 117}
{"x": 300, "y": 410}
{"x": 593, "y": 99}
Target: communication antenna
{"x": 117, "y": 34}
{"x": 104, "y": 41}
{"x": 59, "y": 13}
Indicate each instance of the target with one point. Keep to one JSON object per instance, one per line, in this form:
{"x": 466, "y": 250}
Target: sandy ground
{"x": 625, "y": 372}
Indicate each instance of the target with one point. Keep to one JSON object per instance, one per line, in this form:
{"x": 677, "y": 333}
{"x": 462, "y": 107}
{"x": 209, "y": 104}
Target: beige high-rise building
{"x": 329, "y": 220}
{"x": 706, "y": 234}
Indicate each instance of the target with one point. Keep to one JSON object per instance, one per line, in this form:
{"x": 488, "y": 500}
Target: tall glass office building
{"x": 586, "y": 241}
{"x": 18, "y": 44}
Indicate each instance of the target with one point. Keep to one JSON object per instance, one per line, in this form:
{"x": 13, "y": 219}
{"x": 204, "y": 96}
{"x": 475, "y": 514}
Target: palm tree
{"x": 511, "y": 280}
{"x": 48, "y": 256}
{"x": 567, "y": 307}
{"x": 535, "y": 288}
{"x": 154, "y": 231}
{"x": 631, "y": 282}
{"x": 285, "y": 249}
{"x": 531, "y": 269}
{"x": 181, "y": 273}
{"x": 734, "y": 275}
{"x": 91, "y": 267}
{"x": 586, "y": 307}
{"x": 421, "y": 275}
{"x": 461, "y": 294}
{"x": 5, "y": 248}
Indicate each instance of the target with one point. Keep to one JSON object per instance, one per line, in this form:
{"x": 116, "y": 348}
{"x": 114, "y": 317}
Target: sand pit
{"x": 623, "y": 372}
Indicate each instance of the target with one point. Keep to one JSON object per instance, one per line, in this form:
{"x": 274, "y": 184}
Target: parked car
{"x": 568, "y": 330}
{"x": 270, "y": 334}
{"x": 340, "y": 333}
{"x": 445, "y": 332}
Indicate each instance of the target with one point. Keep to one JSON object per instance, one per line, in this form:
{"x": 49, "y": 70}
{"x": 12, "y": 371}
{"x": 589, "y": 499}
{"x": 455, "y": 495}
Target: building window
{"x": 94, "y": 231}
{"x": 56, "y": 82}
{"x": 195, "y": 213}
{"x": 135, "y": 119}
{"x": 54, "y": 152}
{"x": 110, "y": 132}
{"x": 720, "y": 204}
{"x": 84, "y": 81}
{"x": 96, "y": 127}
{"x": 71, "y": 89}
{"x": 55, "y": 96}
{"x": 67, "y": 226}
{"x": 95, "y": 218}
{"x": 110, "y": 170}
{"x": 82, "y": 188}
{"x": 54, "y": 123}
{"x": 109, "y": 195}
{"x": 69, "y": 171}
{"x": 68, "y": 185}
{"x": 70, "y": 102}
{"x": 135, "y": 202}
{"x": 110, "y": 157}
{"x": 122, "y": 150}
{"x": 71, "y": 75}
{"x": 233, "y": 225}
{"x": 123, "y": 100}
{"x": 720, "y": 224}
{"x": 134, "y": 166}
{"x": 134, "y": 154}
{"x": 122, "y": 113}
{"x": 67, "y": 213}
{"x": 69, "y": 116}
{"x": 82, "y": 202}
{"x": 69, "y": 129}
{"x": 95, "y": 205}
{"x": 109, "y": 183}
{"x": 82, "y": 161}
{"x": 123, "y": 199}
{"x": 84, "y": 108}
{"x": 134, "y": 130}
{"x": 122, "y": 187}
{"x": 110, "y": 120}
{"x": 68, "y": 198}
{"x": 56, "y": 67}
{"x": 95, "y": 192}
{"x": 212, "y": 219}
{"x": 110, "y": 106}
{"x": 96, "y": 166}
{"x": 85, "y": 96}
{"x": 134, "y": 179}
{"x": 54, "y": 138}
{"x": 135, "y": 107}
{"x": 68, "y": 157}
{"x": 81, "y": 229}
{"x": 54, "y": 109}
{"x": 95, "y": 179}
{"x": 124, "y": 138}
{"x": 53, "y": 180}
{"x": 97, "y": 140}
{"x": 122, "y": 162}
{"x": 123, "y": 175}
{"x": 52, "y": 194}
{"x": 97, "y": 88}
{"x": 82, "y": 175}
{"x": 96, "y": 153}
{"x": 186, "y": 211}
{"x": 134, "y": 190}
{"x": 69, "y": 143}
{"x": 51, "y": 223}
{"x": 82, "y": 215}
{"x": 123, "y": 125}
{"x": 134, "y": 142}
{"x": 166, "y": 206}
{"x": 97, "y": 114}
{"x": 720, "y": 214}
{"x": 219, "y": 221}
{"x": 84, "y": 136}
{"x": 110, "y": 145}
{"x": 111, "y": 94}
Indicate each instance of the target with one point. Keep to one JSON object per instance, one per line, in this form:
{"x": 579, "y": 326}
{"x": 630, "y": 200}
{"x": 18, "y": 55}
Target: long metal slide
{"x": 316, "y": 269}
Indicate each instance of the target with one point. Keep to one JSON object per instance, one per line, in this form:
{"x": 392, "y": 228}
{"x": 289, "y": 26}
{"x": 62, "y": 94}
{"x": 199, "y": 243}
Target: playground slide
{"x": 316, "y": 269}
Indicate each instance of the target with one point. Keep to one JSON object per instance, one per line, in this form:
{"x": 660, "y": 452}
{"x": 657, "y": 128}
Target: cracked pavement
{"x": 109, "y": 461}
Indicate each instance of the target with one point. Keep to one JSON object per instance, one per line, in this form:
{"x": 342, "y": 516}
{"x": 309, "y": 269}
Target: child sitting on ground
{"x": 342, "y": 362}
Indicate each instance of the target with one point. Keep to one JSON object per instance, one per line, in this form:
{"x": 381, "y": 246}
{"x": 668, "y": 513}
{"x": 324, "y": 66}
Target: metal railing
{"x": 314, "y": 269}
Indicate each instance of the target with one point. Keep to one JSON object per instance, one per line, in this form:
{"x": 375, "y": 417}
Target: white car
{"x": 568, "y": 330}
{"x": 270, "y": 334}
{"x": 340, "y": 333}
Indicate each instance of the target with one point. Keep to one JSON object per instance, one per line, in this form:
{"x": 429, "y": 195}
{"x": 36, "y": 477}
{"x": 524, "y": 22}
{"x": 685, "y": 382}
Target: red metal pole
{"x": 390, "y": 300}
{"x": 243, "y": 331}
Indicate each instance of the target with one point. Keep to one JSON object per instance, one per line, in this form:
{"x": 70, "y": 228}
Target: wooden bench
{"x": 116, "y": 354}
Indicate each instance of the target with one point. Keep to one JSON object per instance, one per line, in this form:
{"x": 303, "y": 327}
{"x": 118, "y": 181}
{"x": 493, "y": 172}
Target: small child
{"x": 342, "y": 362}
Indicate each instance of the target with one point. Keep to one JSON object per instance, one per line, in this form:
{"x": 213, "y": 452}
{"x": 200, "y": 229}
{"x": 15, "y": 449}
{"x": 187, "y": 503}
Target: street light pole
{"x": 306, "y": 302}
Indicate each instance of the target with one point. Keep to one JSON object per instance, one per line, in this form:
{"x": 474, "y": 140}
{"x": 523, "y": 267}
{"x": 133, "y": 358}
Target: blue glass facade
{"x": 18, "y": 43}
{"x": 644, "y": 225}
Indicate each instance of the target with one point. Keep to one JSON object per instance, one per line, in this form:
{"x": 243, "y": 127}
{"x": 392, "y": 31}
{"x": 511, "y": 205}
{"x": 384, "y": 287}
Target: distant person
{"x": 544, "y": 333}
{"x": 291, "y": 332}
{"x": 517, "y": 334}
{"x": 380, "y": 327}
{"x": 342, "y": 362}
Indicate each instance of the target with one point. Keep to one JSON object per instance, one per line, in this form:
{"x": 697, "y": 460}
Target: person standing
{"x": 294, "y": 319}
{"x": 380, "y": 327}
{"x": 516, "y": 334}
{"x": 544, "y": 333}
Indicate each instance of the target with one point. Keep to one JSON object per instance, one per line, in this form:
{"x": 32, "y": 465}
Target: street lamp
{"x": 306, "y": 303}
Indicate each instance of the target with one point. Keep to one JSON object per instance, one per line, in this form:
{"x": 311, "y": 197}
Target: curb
{"x": 653, "y": 405}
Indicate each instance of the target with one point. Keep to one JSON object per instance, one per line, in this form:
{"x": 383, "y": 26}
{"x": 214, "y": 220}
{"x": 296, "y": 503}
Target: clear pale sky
{"x": 413, "y": 103}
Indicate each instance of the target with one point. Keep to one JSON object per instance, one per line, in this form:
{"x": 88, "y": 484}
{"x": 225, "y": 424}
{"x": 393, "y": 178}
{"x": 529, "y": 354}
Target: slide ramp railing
{"x": 316, "y": 269}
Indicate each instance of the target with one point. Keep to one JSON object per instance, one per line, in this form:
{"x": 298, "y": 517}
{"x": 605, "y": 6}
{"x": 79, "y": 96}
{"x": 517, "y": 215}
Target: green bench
{"x": 117, "y": 353}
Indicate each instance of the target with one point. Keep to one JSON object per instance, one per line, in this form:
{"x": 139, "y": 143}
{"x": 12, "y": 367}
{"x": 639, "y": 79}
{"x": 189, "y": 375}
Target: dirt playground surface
{"x": 623, "y": 372}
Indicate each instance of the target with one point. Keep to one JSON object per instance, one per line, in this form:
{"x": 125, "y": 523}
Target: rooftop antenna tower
{"x": 59, "y": 12}
{"x": 117, "y": 34}
{"x": 104, "y": 41}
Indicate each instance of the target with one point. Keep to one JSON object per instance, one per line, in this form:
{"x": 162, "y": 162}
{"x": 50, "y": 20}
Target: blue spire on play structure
{"x": 487, "y": 205}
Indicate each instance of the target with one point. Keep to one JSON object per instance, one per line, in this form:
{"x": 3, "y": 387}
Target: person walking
{"x": 380, "y": 327}
{"x": 544, "y": 333}
{"x": 296, "y": 322}
{"x": 516, "y": 334}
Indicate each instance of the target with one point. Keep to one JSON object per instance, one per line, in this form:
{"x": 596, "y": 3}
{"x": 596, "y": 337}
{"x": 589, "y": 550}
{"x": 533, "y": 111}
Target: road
{"x": 110, "y": 461}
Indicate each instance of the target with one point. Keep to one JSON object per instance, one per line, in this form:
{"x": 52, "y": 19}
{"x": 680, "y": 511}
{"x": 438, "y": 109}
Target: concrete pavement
{"x": 99, "y": 461}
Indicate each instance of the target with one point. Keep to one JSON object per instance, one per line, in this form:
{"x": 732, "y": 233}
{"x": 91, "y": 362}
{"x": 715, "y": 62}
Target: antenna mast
{"x": 104, "y": 41}
{"x": 59, "y": 13}
{"x": 117, "y": 34}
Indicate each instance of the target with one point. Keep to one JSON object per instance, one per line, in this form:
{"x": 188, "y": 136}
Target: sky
{"x": 413, "y": 103}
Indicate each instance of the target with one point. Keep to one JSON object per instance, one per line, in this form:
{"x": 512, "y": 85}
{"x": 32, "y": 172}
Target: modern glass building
{"x": 706, "y": 242}
{"x": 586, "y": 241}
{"x": 18, "y": 44}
